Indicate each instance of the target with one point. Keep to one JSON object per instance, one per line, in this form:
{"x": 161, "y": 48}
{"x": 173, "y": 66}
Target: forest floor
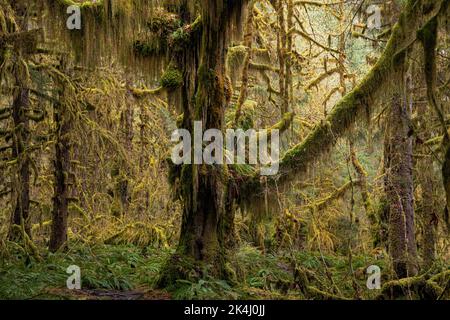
{"x": 128, "y": 272}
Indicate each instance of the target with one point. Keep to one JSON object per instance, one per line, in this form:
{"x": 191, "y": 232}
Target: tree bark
{"x": 248, "y": 41}
{"x": 58, "y": 237}
{"x": 21, "y": 182}
{"x": 428, "y": 213}
{"x": 281, "y": 50}
{"x": 399, "y": 181}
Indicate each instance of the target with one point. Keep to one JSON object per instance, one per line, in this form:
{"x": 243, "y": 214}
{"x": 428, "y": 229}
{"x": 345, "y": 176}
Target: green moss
{"x": 182, "y": 37}
{"x": 84, "y": 4}
{"x": 171, "y": 79}
{"x": 163, "y": 23}
{"x": 418, "y": 287}
{"x": 236, "y": 56}
{"x": 180, "y": 120}
{"x": 284, "y": 123}
{"x": 247, "y": 115}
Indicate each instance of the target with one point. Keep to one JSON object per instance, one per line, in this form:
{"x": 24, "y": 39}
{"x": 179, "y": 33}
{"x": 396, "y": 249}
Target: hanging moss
{"x": 171, "y": 79}
{"x": 248, "y": 114}
{"x": 236, "y": 55}
{"x": 109, "y": 29}
{"x": 160, "y": 26}
{"x": 163, "y": 23}
{"x": 360, "y": 101}
{"x": 283, "y": 124}
{"x": 235, "y": 59}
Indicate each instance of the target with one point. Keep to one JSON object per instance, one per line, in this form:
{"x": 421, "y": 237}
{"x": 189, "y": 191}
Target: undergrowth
{"x": 123, "y": 268}
{"x": 119, "y": 267}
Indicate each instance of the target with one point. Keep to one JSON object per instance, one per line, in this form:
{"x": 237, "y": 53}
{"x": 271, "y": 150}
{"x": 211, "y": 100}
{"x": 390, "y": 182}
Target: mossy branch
{"x": 425, "y": 289}
{"x": 360, "y": 101}
{"x": 263, "y": 67}
{"x": 357, "y": 104}
{"x": 283, "y": 124}
{"x": 321, "y": 77}
{"x": 338, "y": 193}
{"x": 142, "y": 93}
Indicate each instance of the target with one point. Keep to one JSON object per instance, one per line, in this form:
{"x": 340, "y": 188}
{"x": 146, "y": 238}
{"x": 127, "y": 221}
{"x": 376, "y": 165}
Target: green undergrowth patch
{"x": 295, "y": 274}
{"x": 335, "y": 275}
{"x": 119, "y": 267}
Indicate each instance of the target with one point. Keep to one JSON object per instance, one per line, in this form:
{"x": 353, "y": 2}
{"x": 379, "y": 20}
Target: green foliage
{"x": 265, "y": 272}
{"x": 118, "y": 267}
{"x": 202, "y": 289}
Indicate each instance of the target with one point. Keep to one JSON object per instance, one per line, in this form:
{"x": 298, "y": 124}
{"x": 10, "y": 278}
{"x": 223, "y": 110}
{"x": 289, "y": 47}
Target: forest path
{"x": 106, "y": 294}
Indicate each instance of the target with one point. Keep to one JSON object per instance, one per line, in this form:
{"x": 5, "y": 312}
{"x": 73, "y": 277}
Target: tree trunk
{"x": 58, "y": 237}
{"x": 427, "y": 206}
{"x": 208, "y": 216}
{"x": 399, "y": 181}
{"x": 428, "y": 213}
{"x": 204, "y": 188}
{"x": 21, "y": 182}
{"x": 281, "y": 51}
{"x": 248, "y": 42}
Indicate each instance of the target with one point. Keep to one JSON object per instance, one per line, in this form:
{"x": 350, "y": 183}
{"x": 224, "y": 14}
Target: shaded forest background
{"x": 86, "y": 118}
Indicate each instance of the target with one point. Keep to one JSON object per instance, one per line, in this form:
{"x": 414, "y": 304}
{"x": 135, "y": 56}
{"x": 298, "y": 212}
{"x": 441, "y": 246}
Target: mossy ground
{"x": 131, "y": 272}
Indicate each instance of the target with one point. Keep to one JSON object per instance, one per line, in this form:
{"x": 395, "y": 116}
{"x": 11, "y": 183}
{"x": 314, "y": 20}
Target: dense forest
{"x": 113, "y": 117}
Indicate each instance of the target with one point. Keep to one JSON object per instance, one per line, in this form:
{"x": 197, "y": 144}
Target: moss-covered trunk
{"x": 248, "y": 42}
{"x": 399, "y": 179}
{"x": 58, "y": 237}
{"x": 21, "y": 136}
{"x": 428, "y": 213}
{"x": 207, "y": 223}
{"x": 21, "y": 181}
{"x": 204, "y": 186}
